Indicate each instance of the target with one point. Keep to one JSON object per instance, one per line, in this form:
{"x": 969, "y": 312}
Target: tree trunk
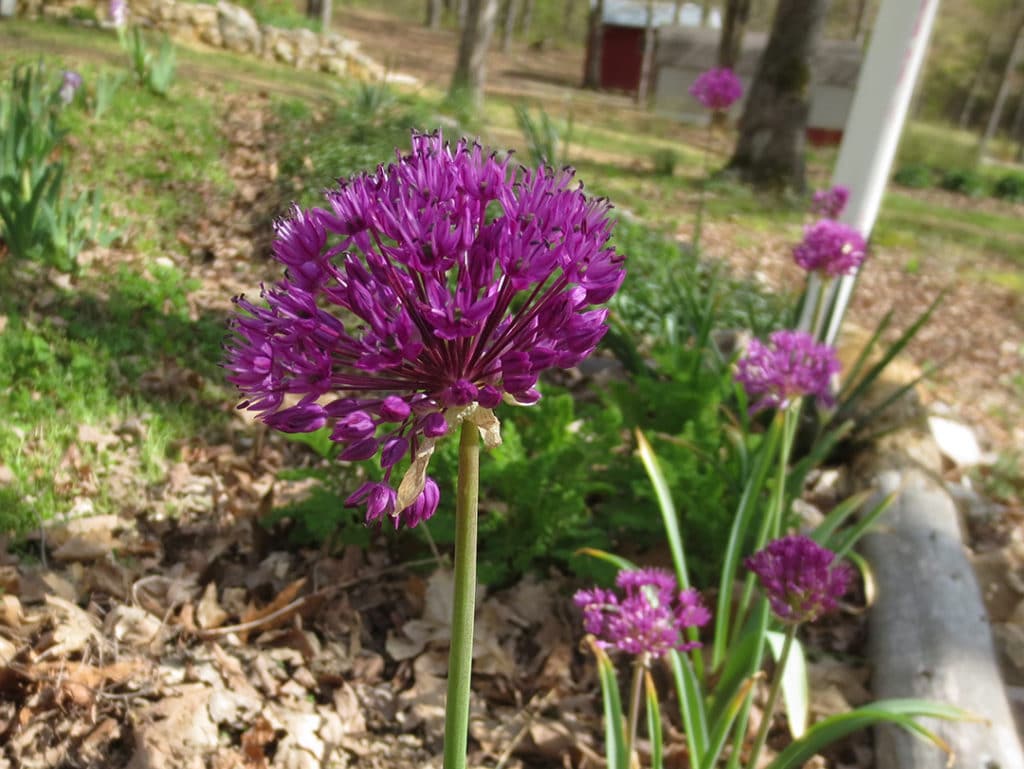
{"x": 978, "y": 80}
{"x": 509, "y": 22}
{"x": 730, "y": 42}
{"x": 526, "y": 20}
{"x": 468, "y": 78}
{"x": 705, "y": 13}
{"x": 313, "y": 9}
{"x": 770, "y": 149}
{"x": 1012, "y": 63}
{"x": 1017, "y": 132}
{"x": 648, "y": 55}
{"x": 326, "y": 15}
{"x": 677, "y": 12}
{"x": 568, "y": 11}
{"x": 592, "y": 76}
{"x": 434, "y": 8}
{"x": 461, "y": 10}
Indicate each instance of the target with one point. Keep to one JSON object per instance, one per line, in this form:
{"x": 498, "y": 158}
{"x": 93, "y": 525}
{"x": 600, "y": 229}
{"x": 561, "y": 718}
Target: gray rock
{"x": 238, "y": 29}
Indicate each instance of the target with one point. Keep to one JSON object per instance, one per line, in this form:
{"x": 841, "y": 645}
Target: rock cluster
{"x": 228, "y": 26}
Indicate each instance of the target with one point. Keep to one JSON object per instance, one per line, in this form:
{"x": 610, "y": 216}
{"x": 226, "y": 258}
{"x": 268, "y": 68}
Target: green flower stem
{"x": 634, "y": 703}
{"x": 818, "y": 321}
{"x": 699, "y": 223}
{"x": 791, "y": 416}
{"x": 773, "y": 696}
{"x": 460, "y": 659}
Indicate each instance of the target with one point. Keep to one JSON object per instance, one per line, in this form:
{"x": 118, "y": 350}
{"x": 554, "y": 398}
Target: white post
{"x": 887, "y": 77}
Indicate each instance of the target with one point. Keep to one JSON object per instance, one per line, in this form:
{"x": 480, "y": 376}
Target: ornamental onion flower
{"x": 831, "y": 248}
{"x": 422, "y": 296}
{"x": 651, "y": 616}
{"x": 789, "y": 367}
{"x": 70, "y": 83}
{"x": 830, "y": 203}
{"x": 801, "y": 578}
{"x": 717, "y": 89}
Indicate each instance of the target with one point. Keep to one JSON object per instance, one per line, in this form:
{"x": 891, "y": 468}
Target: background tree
{"x": 592, "y": 74}
{"x": 730, "y": 41}
{"x": 508, "y": 22}
{"x": 770, "y": 148}
{"x": 433, "y": 18}
{"x": 1012, "y": 65}
{"x": 468, "y": 78}
{"x": 647, "y": 58}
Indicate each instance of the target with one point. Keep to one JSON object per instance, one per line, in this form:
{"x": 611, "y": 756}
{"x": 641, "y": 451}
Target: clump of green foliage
{"x": 41, "y": 220}
{"x": 359, "y": 130}
{"x": 915, "y": 176}
{"x": 546, "y": 143}
{"x": 964, "y": 181}
{"x": 1010, "y": 187}
{"x": 154, "y": 71}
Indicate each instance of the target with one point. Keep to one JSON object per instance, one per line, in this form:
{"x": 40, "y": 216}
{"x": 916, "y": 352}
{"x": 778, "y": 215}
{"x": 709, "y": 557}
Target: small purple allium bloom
{"x": 424, "y": 295}
{"x": 801, "y": 578}
{"x": 650, "y": 618}
{"x": 830, "y": 247}
{"x": 118, "y": 12}
{"x": 717, "y": 89}
{"x": 70, "y": 83}
{"x": 830, "y": 203}
{"x": 792, "y": 365}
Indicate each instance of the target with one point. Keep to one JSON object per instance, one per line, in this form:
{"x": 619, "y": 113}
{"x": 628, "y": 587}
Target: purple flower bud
{"x": 434, "y": 425}
{"x": 717, "y": 89}
{"x": 423, "y": 507}
{"x": 830, "y": 203}
{"x": 791, "y": 366}
{"x": 831, "y": 248}
{"x": 394, "y": 409}
{"x": 353, "y": 427}
{"x": 650, "y": 617}
{"x": 800, "y": 577}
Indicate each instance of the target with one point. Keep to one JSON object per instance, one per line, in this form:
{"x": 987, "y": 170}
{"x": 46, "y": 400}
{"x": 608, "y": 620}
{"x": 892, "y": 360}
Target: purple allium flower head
{"x": 71, "y": 81}
{"x": 801, "y": 578}
{"x": 650, "y": 617}
{"x": 118, "y": 12}
{"x": 830, "y": 203}
{"x": 790, "y": 366}
{"x": 423, "y": 295}
{"x": 717, "y": 89}
{"x": 830, "y": 247}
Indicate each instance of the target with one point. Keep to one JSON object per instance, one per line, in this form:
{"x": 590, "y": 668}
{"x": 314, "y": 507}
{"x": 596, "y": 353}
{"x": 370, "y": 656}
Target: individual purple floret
{"x": 717, "y": 89}
{"x": 830, "y": 203}
{"x": 651, "y": 616}
{"x": 830, "y": 247}
{"x": 789, "y": 367}
{"x": 425, "y": 294}
{"x": 801, "y": 578}
{"x": 118, "y": 12}
{"x": 71, "y": 81}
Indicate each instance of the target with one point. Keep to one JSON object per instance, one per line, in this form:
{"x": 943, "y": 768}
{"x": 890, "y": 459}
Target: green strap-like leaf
{"x": 691, "y": 706}
{"x": 900, "y": 712}
{"x": 614, "y": 728}
{"x": 654, "y": 722}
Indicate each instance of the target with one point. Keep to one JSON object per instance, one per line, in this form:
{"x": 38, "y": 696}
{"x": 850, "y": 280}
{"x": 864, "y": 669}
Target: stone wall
{"x": 230, "y": 27}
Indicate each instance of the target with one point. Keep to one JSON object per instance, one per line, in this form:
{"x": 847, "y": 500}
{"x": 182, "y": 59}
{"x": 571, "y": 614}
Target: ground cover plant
{"x": 197, "y": 573}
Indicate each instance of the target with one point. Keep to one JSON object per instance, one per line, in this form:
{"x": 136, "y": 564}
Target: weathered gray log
{"x": 930, "y": 635}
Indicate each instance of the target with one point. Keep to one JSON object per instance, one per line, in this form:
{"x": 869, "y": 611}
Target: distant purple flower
{"x": 118, "y": 12}
{"x": 791, "y": 366}
{"x": 70, "y": 83}
{"x": 801, "y": 578}
{"x": 717, "y": 89}
{"x": 428, "y": 292}
{"x": 830, "y": 247}
{"x": 830, "y": 203}
{"x": 650, "y": 618}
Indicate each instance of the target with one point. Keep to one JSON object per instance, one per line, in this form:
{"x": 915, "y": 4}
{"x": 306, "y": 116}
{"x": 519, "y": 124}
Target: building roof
{"x": 633, "y": 13}
{"x": 837, "y": 62}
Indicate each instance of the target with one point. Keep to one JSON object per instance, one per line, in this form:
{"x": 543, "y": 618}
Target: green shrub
{"x": 664, "y": 161}
{"x": 965, "y": 181}
{"x": 1010, "y": 187}
{"x": 915, "y": 176}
